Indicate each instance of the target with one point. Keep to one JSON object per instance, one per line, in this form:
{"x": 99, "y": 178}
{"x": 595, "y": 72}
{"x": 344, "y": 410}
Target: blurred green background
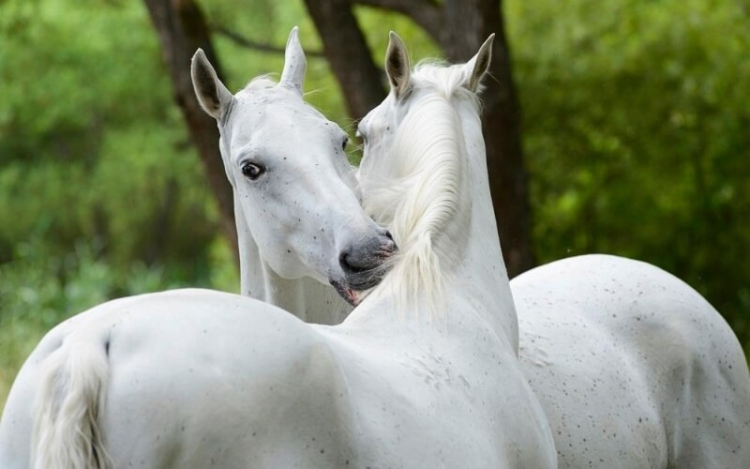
{"x": 636, "y": 134}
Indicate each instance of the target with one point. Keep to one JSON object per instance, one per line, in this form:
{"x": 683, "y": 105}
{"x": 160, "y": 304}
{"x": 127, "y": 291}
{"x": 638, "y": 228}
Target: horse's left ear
{"x": 212, "y": 95}
{"x": 479, "y": 64}
{"x": 397, "y": 65}
{"x": 295, "y": 63}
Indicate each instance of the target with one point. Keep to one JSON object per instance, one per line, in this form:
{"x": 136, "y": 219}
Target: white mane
{"x": 260, "y": 83}
{"x": 417, "y": 192}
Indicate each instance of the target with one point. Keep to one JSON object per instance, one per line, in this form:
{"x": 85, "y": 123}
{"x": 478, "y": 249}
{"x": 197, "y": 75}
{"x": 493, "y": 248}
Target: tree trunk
{"x": 182, "y": 29}
{"x": 345, "y": 48}
{"x": 467, "y": 23}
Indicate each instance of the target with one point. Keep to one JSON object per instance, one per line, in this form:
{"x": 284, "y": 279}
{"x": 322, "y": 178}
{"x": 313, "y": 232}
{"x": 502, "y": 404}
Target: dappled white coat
{"x": 633, "y": 367}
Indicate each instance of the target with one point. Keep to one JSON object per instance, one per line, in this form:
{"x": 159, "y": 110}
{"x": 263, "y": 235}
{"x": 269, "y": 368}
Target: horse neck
{"x": 305, "y": 297}
{"x": 482, "y": 276}
{"x": 466, "y": 245}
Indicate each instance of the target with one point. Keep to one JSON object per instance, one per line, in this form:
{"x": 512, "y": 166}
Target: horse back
{"x": 656, "y": 359}
{"x": 243, "y": 384}
{"x": 191, "y": 379}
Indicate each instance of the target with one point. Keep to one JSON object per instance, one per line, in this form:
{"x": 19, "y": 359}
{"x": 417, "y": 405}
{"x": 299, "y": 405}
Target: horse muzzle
{"x": 365, "y": 266}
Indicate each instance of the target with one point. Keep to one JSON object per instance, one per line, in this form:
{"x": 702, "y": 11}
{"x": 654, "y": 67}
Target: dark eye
{"x": 252, "y": 171}
{"x": 345, "y": 143}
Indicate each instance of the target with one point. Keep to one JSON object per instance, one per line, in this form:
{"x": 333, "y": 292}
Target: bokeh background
{"x": 634, "y": 121}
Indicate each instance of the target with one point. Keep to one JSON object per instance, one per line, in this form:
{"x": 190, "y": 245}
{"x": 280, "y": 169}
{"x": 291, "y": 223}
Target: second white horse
{"x": 634, "y": 369}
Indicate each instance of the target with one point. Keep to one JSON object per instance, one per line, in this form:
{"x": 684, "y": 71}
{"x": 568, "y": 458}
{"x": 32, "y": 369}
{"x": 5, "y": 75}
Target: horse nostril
{"x": 346, "y": 265}
{"x": 389, "y": 246}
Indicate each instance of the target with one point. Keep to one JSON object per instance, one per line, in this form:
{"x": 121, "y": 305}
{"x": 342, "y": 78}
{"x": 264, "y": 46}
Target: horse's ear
{"x": 295, "y": 63}
{"x": 479, "y": 64}
{"x": 397, "y": 65}
{"x": 213, "y": 96}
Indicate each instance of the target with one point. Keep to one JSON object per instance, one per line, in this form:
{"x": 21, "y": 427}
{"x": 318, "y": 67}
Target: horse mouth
{"x": 351, "y": 296}
{"x": 366, "y": 279}
{"x": 354, "y": 283}
{"x": 366, "y": 273}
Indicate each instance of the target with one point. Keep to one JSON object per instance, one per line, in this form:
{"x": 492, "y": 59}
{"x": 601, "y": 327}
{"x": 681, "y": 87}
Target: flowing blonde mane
{"x": 418, "y": 193}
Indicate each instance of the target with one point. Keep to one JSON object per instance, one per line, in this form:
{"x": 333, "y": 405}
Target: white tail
{"x": 70, "y": 397}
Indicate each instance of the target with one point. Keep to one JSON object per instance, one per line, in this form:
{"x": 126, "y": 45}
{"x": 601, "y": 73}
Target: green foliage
{"x": 636, "y": 132}
{"x": 377, "y": 23}
{"x": 39, "y": 289}
{"x": 91, "y": 144}
{"x": 270, "y": 22}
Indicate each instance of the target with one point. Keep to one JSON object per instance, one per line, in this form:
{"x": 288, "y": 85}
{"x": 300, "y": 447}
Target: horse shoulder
{"x": 398, "y": 384}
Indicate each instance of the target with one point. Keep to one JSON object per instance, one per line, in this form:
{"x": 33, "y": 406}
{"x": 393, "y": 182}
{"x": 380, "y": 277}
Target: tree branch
{"x": 426, "y": 13}
{"x": 348, "y": 55}
{"x": 242, "y": 41}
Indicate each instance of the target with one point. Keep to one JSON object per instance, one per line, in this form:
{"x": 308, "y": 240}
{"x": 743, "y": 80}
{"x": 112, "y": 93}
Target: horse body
{"x": 632, "y": 366}
{"x": 196, "y": 378}
{"x": 192, "y": 379}
{"x": 260, "y": 388}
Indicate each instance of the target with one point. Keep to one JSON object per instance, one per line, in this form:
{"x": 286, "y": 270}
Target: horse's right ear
{"x": 213, "y": 96}
{"x": 397, "y": 65}
{"x": 295, "y": 63}
{"x": 478, "y": 66}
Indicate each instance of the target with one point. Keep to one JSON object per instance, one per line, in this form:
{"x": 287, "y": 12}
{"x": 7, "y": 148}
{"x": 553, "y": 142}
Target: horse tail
{"x": 69, "y": 400}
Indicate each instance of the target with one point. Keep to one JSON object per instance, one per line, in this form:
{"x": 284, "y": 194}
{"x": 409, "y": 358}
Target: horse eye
{"x": 252, "y": 171}
{"x": 345, "y": 143}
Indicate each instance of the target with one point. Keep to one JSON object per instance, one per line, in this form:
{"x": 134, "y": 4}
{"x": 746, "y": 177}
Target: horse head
{"x": 295, "y": 191}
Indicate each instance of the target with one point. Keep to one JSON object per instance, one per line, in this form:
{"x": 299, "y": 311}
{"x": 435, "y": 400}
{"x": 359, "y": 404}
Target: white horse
{"x": 300, "y": 225}
{"x": 308, "y": 225}
{"x": 195, "y": 379}
{"x": 633, "y": 368}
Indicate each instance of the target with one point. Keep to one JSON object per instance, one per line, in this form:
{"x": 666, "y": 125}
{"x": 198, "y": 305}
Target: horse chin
{"x": 351, "y": 296}
{"x": 354, "y": 287}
